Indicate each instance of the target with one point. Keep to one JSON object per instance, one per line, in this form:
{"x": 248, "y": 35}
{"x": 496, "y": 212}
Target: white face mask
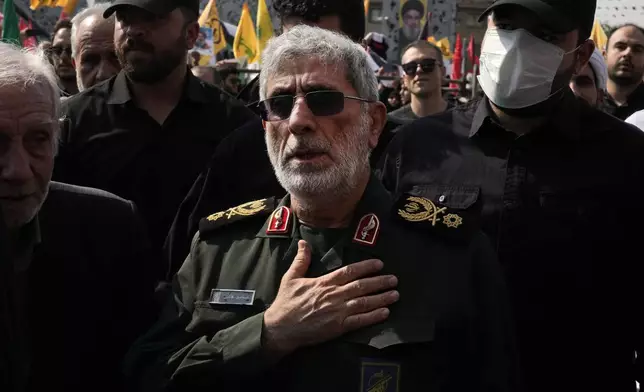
{"x": 517, "y": 68}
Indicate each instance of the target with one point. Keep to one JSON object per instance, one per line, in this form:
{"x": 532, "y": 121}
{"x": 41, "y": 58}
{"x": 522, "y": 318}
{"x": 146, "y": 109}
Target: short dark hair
{"x": 412, "y": 5}
{"x": 421, "y": 44}
{"x": 614, "y": 30}
{"x": 350, "y": 13}
{"x": 64, "y": 23}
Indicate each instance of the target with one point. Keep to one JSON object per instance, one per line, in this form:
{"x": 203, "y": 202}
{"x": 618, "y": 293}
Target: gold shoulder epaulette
{"x": 253, "y": 208}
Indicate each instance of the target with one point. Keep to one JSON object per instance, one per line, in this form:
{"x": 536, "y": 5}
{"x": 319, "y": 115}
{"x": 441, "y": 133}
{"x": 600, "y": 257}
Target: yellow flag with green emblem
{"x": 210, "y": 18}
{"x": 264, "y": 25}
{"x": 599, "y": 36}
{"x": 246, "y": 44}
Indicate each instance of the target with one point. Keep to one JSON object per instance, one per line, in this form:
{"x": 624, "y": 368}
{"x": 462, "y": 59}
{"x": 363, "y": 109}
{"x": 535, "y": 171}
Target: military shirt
{"x": 450, "y": 330}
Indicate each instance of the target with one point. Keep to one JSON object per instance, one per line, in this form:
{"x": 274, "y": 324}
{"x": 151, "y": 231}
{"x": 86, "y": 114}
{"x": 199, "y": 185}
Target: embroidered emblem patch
{"x": 420, "y": 209}
{"x": 246, "y": 209}
{"x": 280, "y": 222}
{"x": 379, "y": 376}
{"x": 223, "y": 218}
{"x": 367, "y": 230}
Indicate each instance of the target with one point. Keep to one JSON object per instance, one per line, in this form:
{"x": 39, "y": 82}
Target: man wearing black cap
{"x": 553, "y": 183}
{"x": 146, "y": 133}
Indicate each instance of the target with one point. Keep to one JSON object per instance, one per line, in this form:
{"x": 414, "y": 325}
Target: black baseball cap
{"x": 562, "y": 16}
{"x": 157, "y": 7}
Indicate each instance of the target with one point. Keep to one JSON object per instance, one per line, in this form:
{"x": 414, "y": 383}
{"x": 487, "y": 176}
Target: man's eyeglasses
{"x": 426, "y": 65}
{"x": 320, "y": 103}
{"x": 59, "y": 50}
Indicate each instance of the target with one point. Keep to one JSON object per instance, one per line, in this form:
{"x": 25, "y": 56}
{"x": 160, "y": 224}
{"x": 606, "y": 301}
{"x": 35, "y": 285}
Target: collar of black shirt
{"x": 636, "y": 98}
{"x": 194, "y": 90}
{"x": 564, "y": 119}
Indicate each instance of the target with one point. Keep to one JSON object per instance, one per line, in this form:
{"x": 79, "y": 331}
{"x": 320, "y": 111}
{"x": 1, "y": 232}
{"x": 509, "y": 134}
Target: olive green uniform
{"x": 450, "y": 330}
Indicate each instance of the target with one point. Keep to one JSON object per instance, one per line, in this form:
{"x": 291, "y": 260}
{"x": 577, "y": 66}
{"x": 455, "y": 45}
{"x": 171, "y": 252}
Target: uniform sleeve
{"x": 176, "y": 355}
{"x": 495, "y": 332}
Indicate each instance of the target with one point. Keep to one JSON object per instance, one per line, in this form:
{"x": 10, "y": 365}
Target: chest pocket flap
{"x": 459, "y": 197}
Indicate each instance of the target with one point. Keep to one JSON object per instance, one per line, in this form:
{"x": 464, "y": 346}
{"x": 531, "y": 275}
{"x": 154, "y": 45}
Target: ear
{"x": 192, "y": 32}
{"x": 378, "y": 113}
{"x": 583, "y": 55}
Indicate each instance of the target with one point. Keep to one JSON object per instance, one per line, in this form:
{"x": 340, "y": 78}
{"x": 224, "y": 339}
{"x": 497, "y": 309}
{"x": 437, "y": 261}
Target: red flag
{"x": 28, "y": 42}
{"x": 63, "y": 15}
{"x": 457, "y": 61}
{"x": 472, "y": 57}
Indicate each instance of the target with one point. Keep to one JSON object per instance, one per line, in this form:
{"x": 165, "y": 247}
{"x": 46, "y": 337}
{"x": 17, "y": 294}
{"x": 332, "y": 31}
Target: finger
{"x": 354, "y": 271}
{"x": 367, "y": 304}
{"x": 362, "y": 320}
{"x": 362, "y": 287}
{"x": 300, "y": 263}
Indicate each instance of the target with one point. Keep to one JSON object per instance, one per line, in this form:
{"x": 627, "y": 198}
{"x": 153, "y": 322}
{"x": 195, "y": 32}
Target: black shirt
{"x": 634, "y": 103}
{"x": 562, "y": 206}
{"x": 109, "y": 143}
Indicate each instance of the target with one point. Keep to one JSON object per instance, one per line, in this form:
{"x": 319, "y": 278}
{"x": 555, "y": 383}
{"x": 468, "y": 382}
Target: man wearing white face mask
{"x": 556, "y": 185}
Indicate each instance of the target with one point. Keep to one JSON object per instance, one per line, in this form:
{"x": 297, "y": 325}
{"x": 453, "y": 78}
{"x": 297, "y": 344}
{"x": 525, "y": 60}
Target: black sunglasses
{"x": 426, "y": 65}
{"x": 320, "y": 103}
{"x": 59, "y": 50}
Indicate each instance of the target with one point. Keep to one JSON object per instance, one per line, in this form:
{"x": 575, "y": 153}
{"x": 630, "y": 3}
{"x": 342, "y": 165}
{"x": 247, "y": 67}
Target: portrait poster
{"x": 204, "y": 46}
{"x": 412, "y": 16}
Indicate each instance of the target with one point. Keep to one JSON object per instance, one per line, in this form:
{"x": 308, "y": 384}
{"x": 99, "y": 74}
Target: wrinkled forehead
{"x": 312, "y": 74}
{"x": 34, "y": 102}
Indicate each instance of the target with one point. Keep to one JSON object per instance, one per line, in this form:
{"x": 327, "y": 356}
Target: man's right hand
{"x": 309, "y": 311}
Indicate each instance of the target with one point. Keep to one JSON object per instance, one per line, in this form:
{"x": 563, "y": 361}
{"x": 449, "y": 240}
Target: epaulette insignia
{"x": 440, "y": 219}
{"x": 280, "y": 222}
{"x": 253, "y": 208}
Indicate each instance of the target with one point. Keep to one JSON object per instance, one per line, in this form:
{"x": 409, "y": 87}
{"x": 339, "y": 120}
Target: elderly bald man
{"x": 75, "y": 289}
{"x": 93, "y": 51}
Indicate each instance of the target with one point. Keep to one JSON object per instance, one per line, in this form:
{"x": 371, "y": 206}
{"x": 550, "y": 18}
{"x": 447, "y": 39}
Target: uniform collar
{"x": 564, "y": 119}
{"x": 375, "y": 202}
{"x": 194, "y": 90}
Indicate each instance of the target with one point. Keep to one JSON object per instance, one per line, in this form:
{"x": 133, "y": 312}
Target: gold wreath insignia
{"x": 452, "y": 220}
{"x": 246, "y": 209}
{"x": 419, "y": 209}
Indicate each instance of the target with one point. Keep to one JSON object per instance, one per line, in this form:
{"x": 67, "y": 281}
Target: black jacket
{"x": 84, "y": 297}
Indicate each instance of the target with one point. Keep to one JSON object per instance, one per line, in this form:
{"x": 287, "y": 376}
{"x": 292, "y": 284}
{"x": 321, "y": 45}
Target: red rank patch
{"x": 280, "y": 222}
{"x": 367, "y": 230}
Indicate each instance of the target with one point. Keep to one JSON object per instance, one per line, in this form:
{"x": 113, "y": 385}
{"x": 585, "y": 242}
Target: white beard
{"x": 331, "y": 182}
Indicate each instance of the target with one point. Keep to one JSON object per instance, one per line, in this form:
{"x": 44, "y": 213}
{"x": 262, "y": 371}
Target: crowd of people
{"x": 164, "y": 227}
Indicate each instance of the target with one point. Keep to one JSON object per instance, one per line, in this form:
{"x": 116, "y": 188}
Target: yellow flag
{"x": 246, "y": 44}
{"x": 210, "y": 18}
{"x": 599, "y": 36}
{"x": 69, "y": 6}
{"x": 264, "y": 25}
{"x": 366, "y": 7}
{"x": 442, "y": 44}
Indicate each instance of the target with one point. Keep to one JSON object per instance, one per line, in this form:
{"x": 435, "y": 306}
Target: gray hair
{"x": 96, "y": 10}
{"x": 304, "y": 42}
{"x": 29, "y": 67}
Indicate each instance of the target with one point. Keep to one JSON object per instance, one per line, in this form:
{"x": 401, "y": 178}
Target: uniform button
{"x": 441, "y": 199}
